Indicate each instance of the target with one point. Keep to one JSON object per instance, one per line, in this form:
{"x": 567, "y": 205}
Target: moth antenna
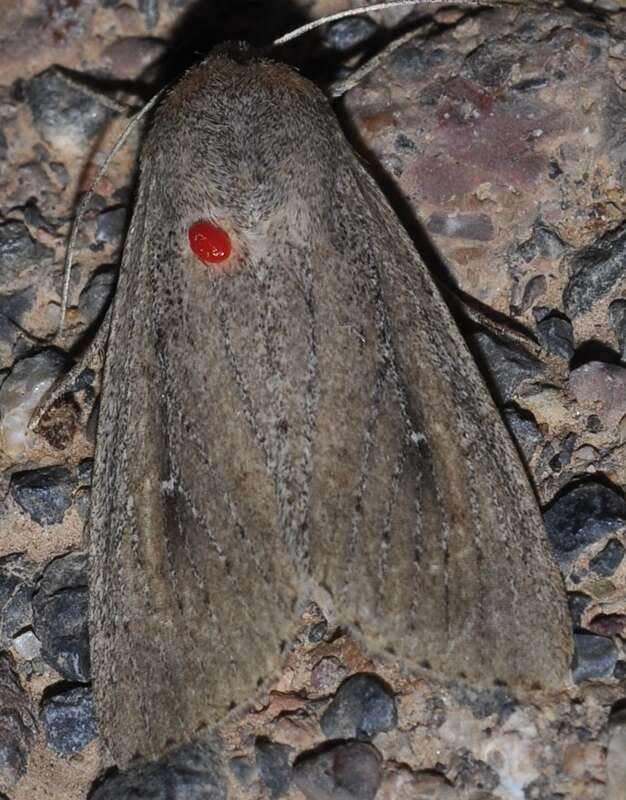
{"x": 84, "y": 202}
{"x": 354, "y": 12}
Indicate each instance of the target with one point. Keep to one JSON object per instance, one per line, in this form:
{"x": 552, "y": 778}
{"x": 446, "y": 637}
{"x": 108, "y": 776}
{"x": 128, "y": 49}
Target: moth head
{"x": 241, "y": 151}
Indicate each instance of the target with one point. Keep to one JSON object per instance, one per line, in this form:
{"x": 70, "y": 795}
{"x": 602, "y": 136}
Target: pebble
{"x": 600, "y": 389}
{"x": 61, "y": 617}
{"x": 581, "y": 515}
{"x": 506, "y": 365}
{"x": 191, "y": 772}
{"x": 19, "y": 251}
{"x": 619, "y": 673}
{"x": 608, "y": 624}
{"x": 350, "y": 771}
{"x": 608, "y": 559}
{"x": 318, "y": 632}
{"x": 400, "y": 783}
{"x": 534, "y": 289}
{"x": 16, "y": 593}
{"x": 594, "y": 657}
{"x": 242, "y": 770}
{"x": 65, "y": 114}
{"x": 469, "y": 772}
{"x": 111, "y": 224}
{"x": 95, "y": 297}
{"x": 326, "y": 675}
{"x": 20, "y": 395}
{"x": 486, "y": 702}
{"x": 594, "y": 272}
{"x": 150, "y": 11}
{"x": 130, "y": 56}
{"x": 273, "y": 765}
{"x": 617, "y": 321}
{"x": 27, "y": 646}
{"x": 44, "y": 494}
{"x": 68, "y": 720}
{"x": 524, "y": 430}
{"x": 348, "y": 34}
{"x": 543, "y": 242}
{"x": 470, "y": 227}
{"x": 12, "y": 309}
{"x": 17, "y": 724}
{"x": 362, "y": 708}
{"x": 557, "y": 336}
{"x": 33, "y": 184}
{"x": 577, "y": 603}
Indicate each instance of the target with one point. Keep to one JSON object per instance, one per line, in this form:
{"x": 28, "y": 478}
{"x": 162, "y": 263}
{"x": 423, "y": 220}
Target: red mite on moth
{"x": 209, "y": 243}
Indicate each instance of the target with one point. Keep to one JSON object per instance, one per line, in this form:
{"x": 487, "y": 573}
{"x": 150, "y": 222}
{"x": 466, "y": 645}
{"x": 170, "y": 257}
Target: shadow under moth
{"x": 289, "y": 414}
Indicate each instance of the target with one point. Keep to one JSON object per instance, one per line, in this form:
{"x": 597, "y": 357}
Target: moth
{"x": 289, "y": 414}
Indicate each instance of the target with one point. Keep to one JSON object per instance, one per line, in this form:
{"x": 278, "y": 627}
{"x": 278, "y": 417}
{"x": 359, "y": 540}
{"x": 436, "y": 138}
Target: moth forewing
{"x": 303, "y": 415}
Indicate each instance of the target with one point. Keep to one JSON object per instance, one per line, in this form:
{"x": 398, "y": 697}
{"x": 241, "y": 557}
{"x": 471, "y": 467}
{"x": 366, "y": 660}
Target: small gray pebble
{"x": 557, "y": 336}
{"x": 45, "y": 494}
{"x": 362, "y": 707}
{"x": 346, "y": 34}
{"x": 63, "y": 111}
{"x": 619, "y": 673}
{"x": 318, "y": 632}
{"x": 524, "y": 431}
{"x": 150, "y": 11}
{"x": 19, "y": 251}
{"x": 506, "y": 364}
{"x": 68, "y": 720}
{"x": 84, "y": 471}
{"x": 469, "y": 772}
{"x": 111, "y": 224}
{"x": 582, "y": 515}
{"x": 16, "y": 593}
{"x": 487, "y": 702}
{"x": 350, "y": 771}
{"x": 17, "y": 724}
{"x": 608, "y": 559}
{"x": 577, "y": 602}
{"x": 594, "y": 271}
{"x": 61, "y": 617}
{"x": 617, "y": 320}
{"x": 273, "y": 764}
{"x": 96, "y": 295}
{"x": 242, "y": 770}
{"x": 594, "y": 657}
{"x": 191, "y": 772}
{"x": 534, "y": 289}
{"x": 12, "y": 309}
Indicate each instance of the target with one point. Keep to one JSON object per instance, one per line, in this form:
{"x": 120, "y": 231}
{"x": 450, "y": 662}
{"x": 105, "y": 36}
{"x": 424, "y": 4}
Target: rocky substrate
{"x": 500, "y": 137}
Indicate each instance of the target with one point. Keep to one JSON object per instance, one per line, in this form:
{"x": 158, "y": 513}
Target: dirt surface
{"x": 499, "y": 136}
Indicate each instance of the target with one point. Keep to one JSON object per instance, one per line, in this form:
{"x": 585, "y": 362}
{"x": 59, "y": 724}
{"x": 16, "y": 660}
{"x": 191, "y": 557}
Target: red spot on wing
{"x": 209, "y": 243}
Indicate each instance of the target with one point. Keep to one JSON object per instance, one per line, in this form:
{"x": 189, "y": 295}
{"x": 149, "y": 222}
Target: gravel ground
{"x": 499, "y": 135}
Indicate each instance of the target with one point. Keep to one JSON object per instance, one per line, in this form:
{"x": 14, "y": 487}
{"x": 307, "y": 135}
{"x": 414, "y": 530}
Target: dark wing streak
{"x": 194, "y": 651}
{"x": 399, "y": 382}
{"x": 111, "y": 459}
{"x": 280, "y": 461}
{"x": 240, "y": 383}
{"x": 369, "y": 435}
{"x": 385, "y": 533}
{"x": 386, "y": 336}
{"x": 311, "y": 404}
{"x": 200, "y": 518}
{"x": 417, "y": 556}
{"x": 187, "y": 434}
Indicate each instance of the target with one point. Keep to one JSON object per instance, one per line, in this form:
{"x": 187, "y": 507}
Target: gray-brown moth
{"x": 300, "y": 421}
